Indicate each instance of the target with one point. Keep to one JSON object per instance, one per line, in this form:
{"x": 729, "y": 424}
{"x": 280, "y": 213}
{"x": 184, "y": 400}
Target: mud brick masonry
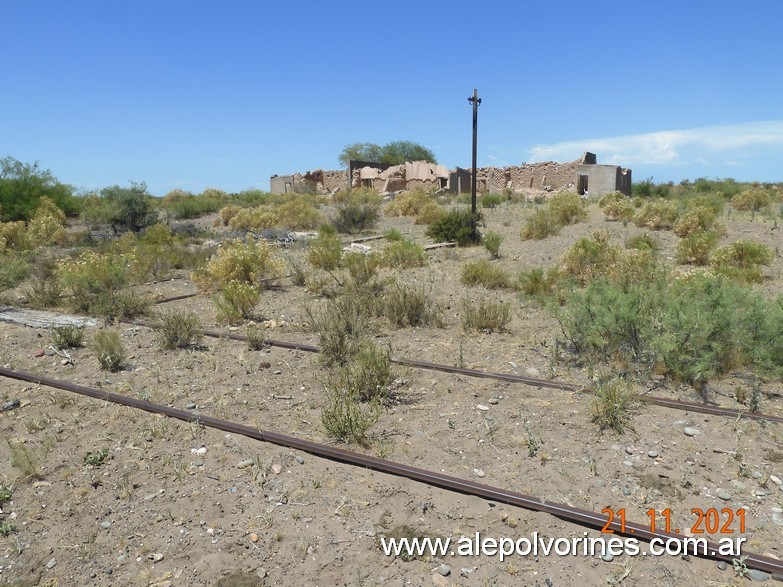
{"x": 584, "y": 176}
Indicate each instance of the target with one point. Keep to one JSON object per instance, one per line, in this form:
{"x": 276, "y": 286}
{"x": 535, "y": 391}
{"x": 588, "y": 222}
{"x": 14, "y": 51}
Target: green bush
{"x": 643, "y": 242}
{"x": 541, "y": 224}
{"x": 492, "y": 242}
{"x": 455, "y": 226}
{"x": 742, "y": 260}
{"x": 695, "y": 249}
{"x": 751, "y": 199}
{"x": 613, "y": 404}
{"x": 341, "y": 327}
{"x": 409, "y": 305}
{"x": 256, "y": 337}
{"x": 392, "y": 235}
{"x": 109, "y": 350}
{"x": 619, "y": 209}
{"x": 486, "y": 317}
{"x": 67, "y": 336}
{"x": 491, "y": 200}
{"x": 183, "y": 205}
{"x": 409, "y": 203}
{"x": 368, "y": 375}
{"x": 403, "y": 255}
{"x": 567, "y": 208}
{"x": 248, "y": 262}
{"x": 485, "y": 273}
{"x": 129, "y": 208}
{"x": 14, "y": 269}
{"x": 696, "y": 219}
{"x": 356, "y": 210}
{"x": 536, "y": 282}
{"x": 237, "y": 301}
{"x": 179, "y": 330}
{"x": 299, "y": 212}
{"x": 657, "y": 214}
{"x": 362, "y": 268}
{"x": 345, "y": 419}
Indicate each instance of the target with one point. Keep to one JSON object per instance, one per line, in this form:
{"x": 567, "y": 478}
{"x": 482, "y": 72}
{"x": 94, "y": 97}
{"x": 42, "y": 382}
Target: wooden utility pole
{"x": 474, "y": 100}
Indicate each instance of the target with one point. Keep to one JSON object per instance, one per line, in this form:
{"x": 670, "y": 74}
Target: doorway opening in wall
{"x": 289, "y": 187}
{"x": 582, "y": 185}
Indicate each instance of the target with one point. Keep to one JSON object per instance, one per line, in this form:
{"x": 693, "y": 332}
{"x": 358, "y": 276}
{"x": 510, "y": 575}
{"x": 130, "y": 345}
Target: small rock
{"x": 39, "y": 353}
{"x": 607, "y": 557}
{"x": 548, "y": 582}
{"x": 652, "y": 453}
{"x": 261, "y": 573}
{"x": 244, "y": 464}
{"x": 722, "y": 565}
{"x": 106, "y": 524}
{"x": 628, "y": 463}
{"x": 276, "y": 468}
{"x": 723, "y": 494}
{"x": 190, "y": 406}
{"x": 482, "y": 407}
{"x": 254, "y": 537}
{"x": 49, "y": 352}
{"x": 300, "y": 459}
{"x": 691, "y": 431}
{"x": 51, "y": 563}
{"x": 627, "y": 491}
{"x": 532, "y": 371}
{"x": 494, "y": 401}
{"x": 479, "y": 472}
{"x": 150, "y": 496}
{"x": 756, "y": 575}
{"x": 439, "y": 580}
{"x": 278, "y": 372}
{"x": 444, "y": 570}
{"x": 775, "y": 480}
{"x": 628, "y": 450}
{"x": 157, "y": 557}
{"x": 763, "y": 492}
{"x": 10, "y": 405}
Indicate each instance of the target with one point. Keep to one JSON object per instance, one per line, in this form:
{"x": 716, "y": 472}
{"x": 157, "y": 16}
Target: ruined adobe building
{"x": 584, "y": 176}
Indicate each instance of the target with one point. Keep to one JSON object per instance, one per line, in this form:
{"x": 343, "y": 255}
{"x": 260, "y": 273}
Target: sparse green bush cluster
{"x": 643, "y": 242}
{"x": 298, "y": 212}
{"x": 236, "y": 301}
{"x": 695, "y": 249}
{"x": 362, "y": 268}
{"x": 67, "y": 336}
{"x": 251, "y": 262}
{"x": 403, "y": 254}
{"x": 621, "y": 208}
{"x": 753, "y": 199}
{"x": 491, "y": 200}
{"x": 109, "y": 350}
{"x": 492, "y": 241}
{"x": 485, "y": 316}
{"x": 485, "y": 273}
{"x": 657, "y": 214}
{"x": 613, "y": 404}
{"x": 537, "y": 283}
{"x": 455, "y": 226}
{"x": 742, "y": 260}
{"x": 179, "y": 330}
{"x": 182, "y": 205}
{"x": 14, "y": 268}
{"x": 408, "y": 305}
{"x": 409, "y": 203}
{"x": 562, "y": 209}
{"x": 356, "y": 210}
{"x": 691, "y": 328}
{"x": 696, "y": 219}
{"x": 252, "y": 219}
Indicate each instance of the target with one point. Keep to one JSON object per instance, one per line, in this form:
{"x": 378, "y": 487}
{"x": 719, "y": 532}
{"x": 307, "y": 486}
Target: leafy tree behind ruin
{"x": 392, "y": 153}
{"x": 22, "y": 186}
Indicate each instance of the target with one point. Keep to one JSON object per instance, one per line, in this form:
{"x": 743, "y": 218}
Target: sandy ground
{"x": 177, "y": 504}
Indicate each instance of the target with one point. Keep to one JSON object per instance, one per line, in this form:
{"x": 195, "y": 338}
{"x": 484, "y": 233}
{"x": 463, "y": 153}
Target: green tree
{"x": 361, "y": 152}
{"x": 23, "y": 185}
{"x": 392, "y": 153}
{"x": 130, "y": 208}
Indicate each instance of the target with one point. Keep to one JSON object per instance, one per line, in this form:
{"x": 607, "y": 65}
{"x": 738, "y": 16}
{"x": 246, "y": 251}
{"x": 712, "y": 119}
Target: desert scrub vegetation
{"x": 251, "y": 262}
{"x": 182, "y": 205}
{"x": 253, "y": 219}
{"x": 643, "y": 242}
{"x": 345, "y": 418}
{"x": 696, "y": 219}
{"x": 752, "y": 200}
{"x": 409, "y": 203}
{"x": 742, "y": 260}
{"x": 562, "y": 209}
{"x": 108, "y": 349}
{"x": 485, "y": 316}
{"x": 361, "y": 267}
{"x": 408, "y": 305}
{"x": 696, "y": 248}
{"x": 325, "y": 252}
{"x": 617, "y": 206}
{"x": 455, "y": 226}
{"x": 403, "y": 254}
{"x": 179, "y": 330}
{"x": 658, "y": 214}
{"x": 256, "y": 337}
{"x": 236, "y": 301}
{"x": 341, "y": 326}
{"x": 485, "y": 273}
{"x": 613, "y": 405}
{"x": 356, "y": 210}
{"x": 492, "y": 241}
{"x": 691, "y": 328}
{"x": 299, "y": 212}
{"x": 68, "y": 336}
{"x": 491, "y": 200}
{"x": 537, "y": 283}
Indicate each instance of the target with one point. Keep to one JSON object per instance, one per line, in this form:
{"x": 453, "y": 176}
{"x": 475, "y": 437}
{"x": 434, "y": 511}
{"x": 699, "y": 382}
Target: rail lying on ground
{"x": 532, "y": 381}
{"x": 571, "y": 514}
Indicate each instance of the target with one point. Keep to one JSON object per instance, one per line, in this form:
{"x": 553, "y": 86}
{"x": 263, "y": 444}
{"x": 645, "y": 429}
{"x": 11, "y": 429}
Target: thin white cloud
{"x": 670, "y": 147}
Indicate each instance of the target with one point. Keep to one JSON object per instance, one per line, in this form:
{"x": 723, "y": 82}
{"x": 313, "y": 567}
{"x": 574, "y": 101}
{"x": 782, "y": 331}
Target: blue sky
{"x": 194, "y": 94}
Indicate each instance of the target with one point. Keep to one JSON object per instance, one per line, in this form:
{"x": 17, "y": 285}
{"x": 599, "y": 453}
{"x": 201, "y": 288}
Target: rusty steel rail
{"x": 575, "y": 515}
{"x": 674, "y": 404}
